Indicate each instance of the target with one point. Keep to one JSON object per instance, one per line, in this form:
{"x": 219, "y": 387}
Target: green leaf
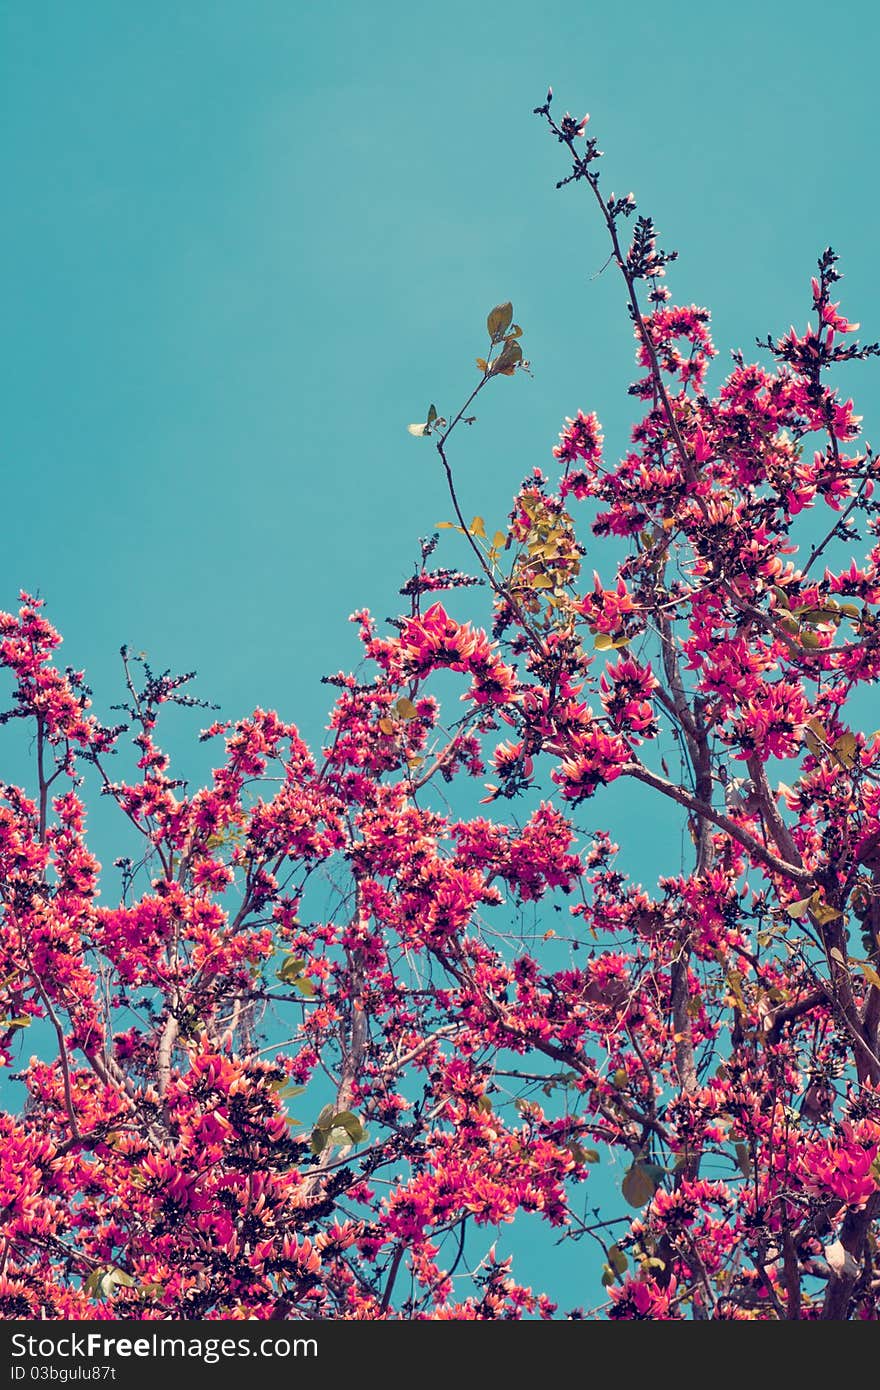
{"x": 345, "y": 1118}
{"x": 869, "y": 973}
{"x": 432, "y": 415}
{"x": 325, "y": 1120}
{"x": 406, "y": 709}
{"x": 352, "y": 1127}
{"x": 341, "y": 1128}
{"x": 104, "y": 1281}
{"x": 816, "y": 615}
{"x": 287, "y": 1093}
{"x": 291, "y": 973}
{"x": 150, "y": 1289}
{"x": 638, "y": 1186}
{"x": 822, "y": 911}
{"x": 290, "y": 968}
{"x": 799, "y": 909}
{"x": 285, "y": 1090}
{"x": 318, "y": 1141}
{"x": 617, "y": 1259}
{"x": 845, "y": 749}
{"x": 22, "y": 1021}
{"x": 499, "y": 320}
{"x": 815, "y": 735}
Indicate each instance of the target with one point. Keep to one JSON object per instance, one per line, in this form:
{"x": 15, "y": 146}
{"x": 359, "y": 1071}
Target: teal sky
{"x": 244, "y": 245}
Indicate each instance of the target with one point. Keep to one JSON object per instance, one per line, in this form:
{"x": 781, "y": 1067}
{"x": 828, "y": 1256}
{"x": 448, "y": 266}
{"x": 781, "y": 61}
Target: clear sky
{"x": 244, "y": 245}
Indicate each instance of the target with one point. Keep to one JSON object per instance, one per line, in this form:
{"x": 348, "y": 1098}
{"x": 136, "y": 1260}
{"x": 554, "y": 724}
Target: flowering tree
{"x": 325, "y": 933}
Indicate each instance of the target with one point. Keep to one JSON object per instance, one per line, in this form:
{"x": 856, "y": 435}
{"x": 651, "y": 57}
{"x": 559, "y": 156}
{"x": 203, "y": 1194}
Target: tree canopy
{"x": 298, "y": 1057}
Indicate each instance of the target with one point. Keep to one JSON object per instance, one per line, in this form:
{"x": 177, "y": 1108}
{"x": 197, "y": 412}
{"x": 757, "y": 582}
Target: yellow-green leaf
{"x": 478, "y": 527}
{"x": 406, "y": 709}
{"x": 822, "y": 911}
{"x": 638, "y": 1186}
{"x": 869, "y": 973}
{"x": 845, "y": 749}
{"x": 815, "y": 735}
{"x": 813, "y": 616}
{"x": 350, "y": 1123}
{"x": 798, "y": 909}
{"x": 617, "y": 1259}
{"x": 499, "y": 540}
{"x": 291, "y": 968}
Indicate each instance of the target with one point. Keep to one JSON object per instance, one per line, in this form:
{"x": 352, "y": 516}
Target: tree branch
{"x": 795, "y": 872}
